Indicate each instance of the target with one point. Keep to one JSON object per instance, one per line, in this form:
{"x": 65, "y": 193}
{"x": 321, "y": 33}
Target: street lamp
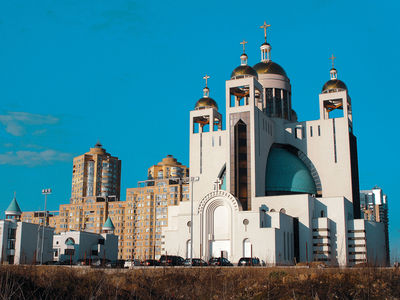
{"x": 192, "y": 179}
{"x": 45, "y": 192}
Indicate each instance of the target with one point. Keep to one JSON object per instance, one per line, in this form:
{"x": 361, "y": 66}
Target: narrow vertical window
{"x": 319, "y": 130}
{"x": 310, "y": 131}
{"x": 270, "y": 101}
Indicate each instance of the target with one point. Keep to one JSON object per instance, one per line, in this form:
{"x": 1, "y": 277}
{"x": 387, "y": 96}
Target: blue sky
{"x": 128, "y": 72}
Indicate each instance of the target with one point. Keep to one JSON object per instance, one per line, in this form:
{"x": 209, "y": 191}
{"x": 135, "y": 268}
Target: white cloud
{"x": 16, "y": 122}
{"x": 33, "y": 158}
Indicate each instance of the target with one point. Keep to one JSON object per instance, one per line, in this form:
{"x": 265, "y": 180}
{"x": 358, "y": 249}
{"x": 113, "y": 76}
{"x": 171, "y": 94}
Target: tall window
{"x": 241, "y": 163}
{"x": 270, "y": 101}
{"x": 285, "y": 105}
{"x": 278, "y": 103}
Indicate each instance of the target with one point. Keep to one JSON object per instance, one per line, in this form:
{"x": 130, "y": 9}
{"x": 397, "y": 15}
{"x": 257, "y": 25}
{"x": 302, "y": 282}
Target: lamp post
{"x": 192, "y": 180}
{"x": 45, "y": 192}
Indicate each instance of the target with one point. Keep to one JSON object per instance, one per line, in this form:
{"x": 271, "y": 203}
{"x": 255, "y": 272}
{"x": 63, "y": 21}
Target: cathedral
{"x": 266, "y": 185}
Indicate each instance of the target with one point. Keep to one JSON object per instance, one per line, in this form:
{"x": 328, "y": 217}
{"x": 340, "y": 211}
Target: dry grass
{"x": 35, "y": 282}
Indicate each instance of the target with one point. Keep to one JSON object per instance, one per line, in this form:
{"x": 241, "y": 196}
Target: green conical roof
{"x": 13, "y": 208}
{"x": 108, "y": 224}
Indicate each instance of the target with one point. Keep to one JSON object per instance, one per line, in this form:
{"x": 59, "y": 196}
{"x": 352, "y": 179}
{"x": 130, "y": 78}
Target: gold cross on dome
{"x": 244, "y": 45}
{"x": 265, "y": 26}
{"x": 333, "y": 60}
{"x": 206, "y": 77}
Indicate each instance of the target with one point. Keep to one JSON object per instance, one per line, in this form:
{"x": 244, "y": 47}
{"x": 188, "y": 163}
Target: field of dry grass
{"x": 46, "y": 282}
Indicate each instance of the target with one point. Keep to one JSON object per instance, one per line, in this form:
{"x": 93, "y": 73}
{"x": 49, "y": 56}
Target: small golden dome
{"x": 206, "y": 102}
{"x": 243, "y": 71}
{"x": 333, "y": 85}
{"x": 269, "y": 68}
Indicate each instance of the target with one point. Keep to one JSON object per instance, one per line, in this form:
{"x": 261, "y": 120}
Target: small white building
{"x": 78, "y": 245}
{"x": 267, "y": 185}
{"x": 23, "y": 243}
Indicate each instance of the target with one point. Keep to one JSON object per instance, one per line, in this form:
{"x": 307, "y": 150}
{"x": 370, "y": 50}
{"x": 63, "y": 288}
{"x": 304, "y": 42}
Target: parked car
{"x": 197, "y": 262}
{"x": 132, "y": 263}
{"x": 99, "y": 262}
{"x": 151, "y": 262}
{"x": 65, "y": 263}
{"x": 51, "y": 263}
{"x": 171, "y": 260}
{"x": 219, "y": 261}
{"x": 249, "y": 261}
{"x": 113, "y": 264}
{"x": 83, "y": 262}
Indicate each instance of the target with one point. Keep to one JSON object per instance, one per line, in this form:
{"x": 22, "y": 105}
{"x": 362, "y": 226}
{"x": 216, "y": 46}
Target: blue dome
{"x": 286, "y": 172}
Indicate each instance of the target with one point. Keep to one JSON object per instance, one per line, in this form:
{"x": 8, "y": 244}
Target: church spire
{"x": 243, "y": 57}
{"x": 206, "y": 90}
{"x": 265, "y": 47}
{"x": 333, "y": 71}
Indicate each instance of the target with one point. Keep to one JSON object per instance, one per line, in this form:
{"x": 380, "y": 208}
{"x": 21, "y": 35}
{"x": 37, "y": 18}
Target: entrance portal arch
{"x": 217, "y": 212}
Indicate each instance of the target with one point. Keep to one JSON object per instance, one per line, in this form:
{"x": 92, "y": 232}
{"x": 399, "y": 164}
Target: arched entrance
{"x": 217, "y": 212}
{"x": 220, "y": 245}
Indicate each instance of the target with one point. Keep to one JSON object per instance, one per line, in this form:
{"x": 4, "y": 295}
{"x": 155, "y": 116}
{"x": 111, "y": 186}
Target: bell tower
{"x": 205, "y": 121}
{"x": 336, "y": 110}
{"x": 334, "y": 100}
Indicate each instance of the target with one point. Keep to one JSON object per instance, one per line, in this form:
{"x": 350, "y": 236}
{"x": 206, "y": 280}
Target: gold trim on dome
{"x": 244, "y": 70}
{"x": 334, "y": 84}
{"x": 205, "y": 103}
{"x": 269, "y": 68}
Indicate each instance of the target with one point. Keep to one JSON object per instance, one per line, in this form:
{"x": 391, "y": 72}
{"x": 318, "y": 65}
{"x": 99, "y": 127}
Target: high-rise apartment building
{"x": 147, "y": 208}
{"x": 374, "y": 207}
{"x": 96, "y": 179}
{"x": 138, "y": 220}
{"x": 96, "y": 173}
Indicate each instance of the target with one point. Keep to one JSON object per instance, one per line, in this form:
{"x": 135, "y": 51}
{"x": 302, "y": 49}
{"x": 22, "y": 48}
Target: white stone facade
{"x": 75, "y": 245}
{"x": 21, "y": 243}
{"x": 248, "y": 202}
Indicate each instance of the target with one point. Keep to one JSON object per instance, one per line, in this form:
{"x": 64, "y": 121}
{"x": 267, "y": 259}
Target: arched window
{"x": 70, "y": 241}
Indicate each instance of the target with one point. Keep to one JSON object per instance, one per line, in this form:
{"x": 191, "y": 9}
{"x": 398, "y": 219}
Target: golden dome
{"x": 333, "y": 85}
{"x": 206, "y": 102}
{"x": 243, "y": 71}
{"x": 269, "y": 68}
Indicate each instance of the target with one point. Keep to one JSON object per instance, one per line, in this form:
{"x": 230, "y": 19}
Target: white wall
{"x": 85, "y": 242}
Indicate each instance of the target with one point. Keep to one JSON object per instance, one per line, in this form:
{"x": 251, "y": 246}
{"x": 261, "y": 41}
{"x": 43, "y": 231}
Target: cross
{"x": 265, "y": 26}
{"x": 206, "y": 77}
{"x": 244, "y": 44}
{"x": 217, "y": 184}
{"x": 333, "y": 59}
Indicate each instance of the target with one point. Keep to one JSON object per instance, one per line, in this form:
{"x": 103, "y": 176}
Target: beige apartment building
{"x": 147, "y": 208}
{"x": 96, "y": 173}
{"x": 95, "y": 197}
